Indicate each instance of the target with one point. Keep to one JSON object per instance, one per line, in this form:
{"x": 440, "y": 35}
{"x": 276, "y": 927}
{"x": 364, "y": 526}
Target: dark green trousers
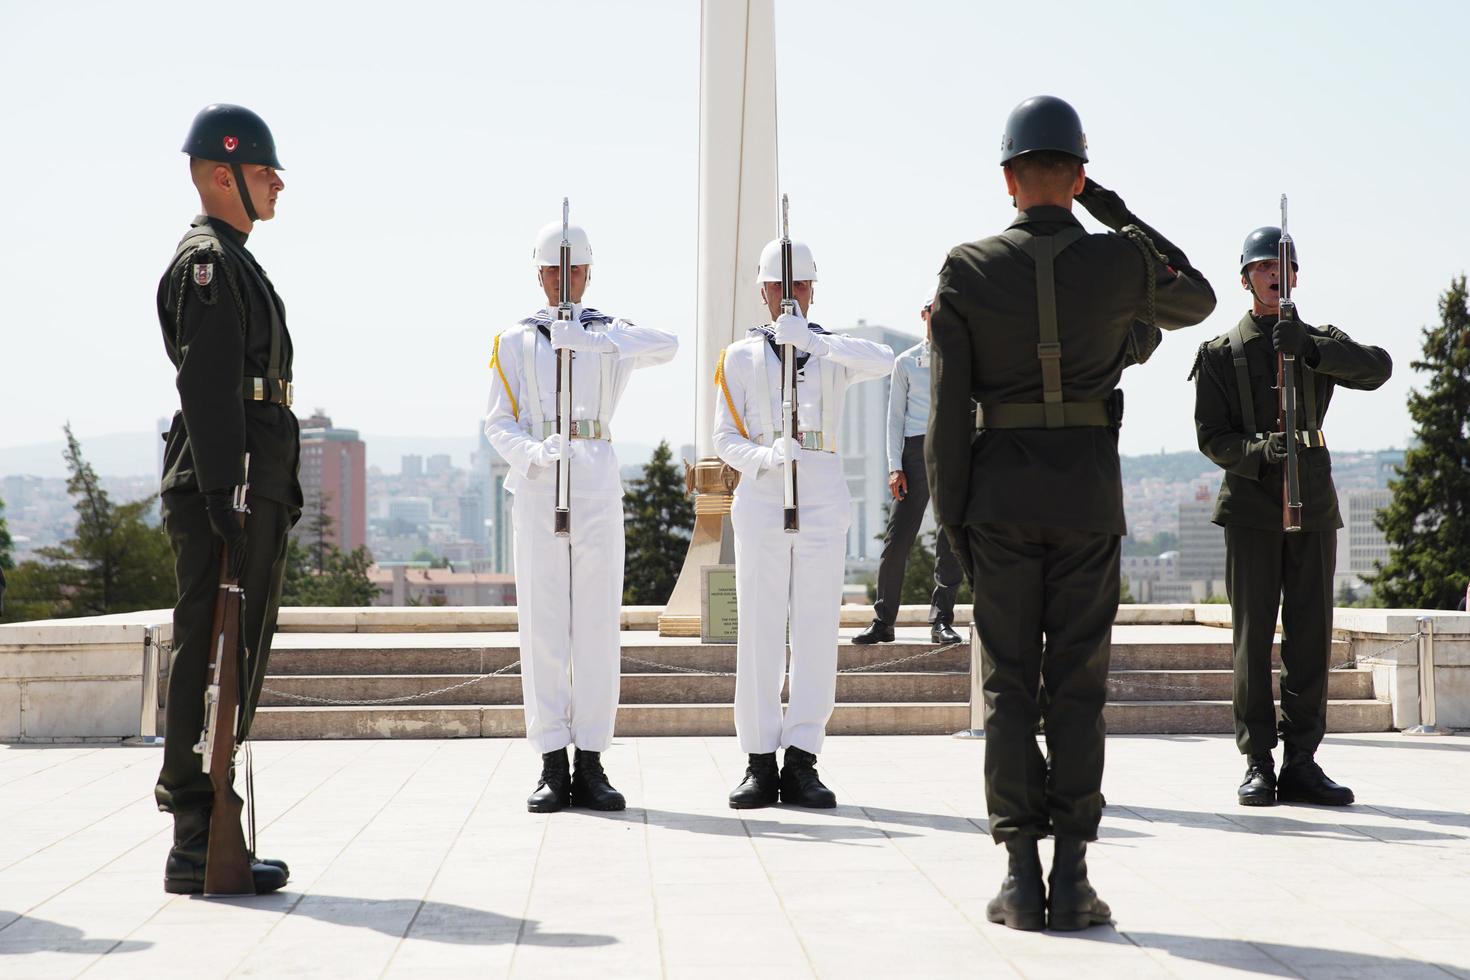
{"x": 1264, "y": 571}
{"x": 1045, "y": 598}
{"x": 182, "y": 784}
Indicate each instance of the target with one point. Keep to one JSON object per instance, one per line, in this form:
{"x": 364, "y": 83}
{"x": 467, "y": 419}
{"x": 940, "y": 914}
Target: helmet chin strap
{"x": 244, "y": 193}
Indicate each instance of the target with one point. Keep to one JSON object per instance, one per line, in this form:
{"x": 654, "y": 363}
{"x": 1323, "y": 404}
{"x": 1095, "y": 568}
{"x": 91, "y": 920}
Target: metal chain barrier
{"x": 696, "y": 671}
{"x": 1353, "y": 662}
{"x": 404, "y": 699}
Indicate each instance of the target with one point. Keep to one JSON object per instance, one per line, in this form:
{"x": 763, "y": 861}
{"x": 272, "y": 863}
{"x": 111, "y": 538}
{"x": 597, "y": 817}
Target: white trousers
{"x": 766, "y": 589}
{"x": 569, "y": 592}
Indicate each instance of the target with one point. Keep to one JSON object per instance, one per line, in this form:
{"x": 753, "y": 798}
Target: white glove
{"x": 571, "y": 335}
{"x": 774, "y": 456}
{"x": 791, "y": 329}
{"x": 548, "y": 450}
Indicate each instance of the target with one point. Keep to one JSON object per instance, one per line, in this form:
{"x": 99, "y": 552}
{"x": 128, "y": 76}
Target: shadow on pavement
{"x": 1279, "y": 824}
{"x": 23, "y": 934}
{"x": 1270, "y": 959}
{"x": 438, "y": 922}
{"x": 1447, "y": 743}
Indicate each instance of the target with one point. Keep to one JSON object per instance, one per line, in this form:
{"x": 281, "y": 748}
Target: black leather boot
{"x": 1021, "y": 901}
{"x": 554, "y": 791}
{"x": 761, "y": 785}
{"x": 590, "y": 787}
{"x": 878, "y": 632}
{"x": 943, "y": 633}
{"x": 1303, "y": 781}
{"x": 1259, "y": 786}
{"x": 1071, "y": 902}
{"x": 799, "y": 783}
{"x": 183, "y": 873}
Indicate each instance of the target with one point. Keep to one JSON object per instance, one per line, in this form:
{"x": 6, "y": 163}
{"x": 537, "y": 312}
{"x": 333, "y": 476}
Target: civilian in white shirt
{"x": 908, "y": 481}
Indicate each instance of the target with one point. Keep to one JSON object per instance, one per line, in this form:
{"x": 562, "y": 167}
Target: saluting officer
{"x": 1036, "y": 325}
{"x": 1267, "y": 568}
{"x": 779, "y": 573}
{"x": 908, "y": 481}
{"x": 569, "y": 590}
{"x": 224, "y": 329}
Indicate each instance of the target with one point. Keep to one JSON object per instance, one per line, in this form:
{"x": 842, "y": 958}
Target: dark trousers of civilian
{"x": 1266, "y": 571}
{"x": 1045, "y": 598}
{"x": 904, "y": 519}
{"x": 182, "y": 784}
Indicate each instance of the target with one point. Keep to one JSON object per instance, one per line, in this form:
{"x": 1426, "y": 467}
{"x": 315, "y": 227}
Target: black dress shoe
{"x": 1071, "y": 901}
{"x": 1303, "y": 781}
{"x": 590, "y": 787}
{"x": 761, "y": 785}
{"x": 1021, "y": 901}
{"x": 183, "y": 873}
{"x": 554, "y": 791}
{"x": 1259, "y": 786}
{"x": 878, "y": 632}
{"x": 943, "y": 634}
{"x": 799, "y": 783}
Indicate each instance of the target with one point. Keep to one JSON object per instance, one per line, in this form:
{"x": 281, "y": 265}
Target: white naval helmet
{"x": 803, "y": 266}
{"x": 548, "y": 245}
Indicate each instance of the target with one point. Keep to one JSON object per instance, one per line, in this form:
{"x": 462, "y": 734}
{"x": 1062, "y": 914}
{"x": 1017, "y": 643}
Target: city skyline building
{"x": 334, "y": 481}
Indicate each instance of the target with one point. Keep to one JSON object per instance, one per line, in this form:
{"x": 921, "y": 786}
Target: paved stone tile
{"x": 417, "y": 859}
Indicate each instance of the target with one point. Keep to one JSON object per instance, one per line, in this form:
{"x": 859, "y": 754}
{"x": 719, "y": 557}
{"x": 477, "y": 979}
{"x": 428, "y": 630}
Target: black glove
{"x": 1273, "y": 447}
{"x": 1104, "y": 205}
{"x": 226, "y": 526}
{"x": 1291, "y": 337}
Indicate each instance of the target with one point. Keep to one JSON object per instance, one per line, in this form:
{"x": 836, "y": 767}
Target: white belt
{"x": 813, "y": 441}
{"x": 581, "y": 429}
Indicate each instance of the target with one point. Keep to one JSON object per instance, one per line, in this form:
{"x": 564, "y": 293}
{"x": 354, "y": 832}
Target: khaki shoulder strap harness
{"x": 1053, "y": 412}
{"x": 1310, "y": 437}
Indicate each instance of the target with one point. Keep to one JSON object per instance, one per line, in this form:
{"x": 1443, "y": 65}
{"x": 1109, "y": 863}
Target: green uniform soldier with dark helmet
{"x": 1266, "y": 567}
{"x": 224, "y": 329}
{"x": 1036, "y": 326}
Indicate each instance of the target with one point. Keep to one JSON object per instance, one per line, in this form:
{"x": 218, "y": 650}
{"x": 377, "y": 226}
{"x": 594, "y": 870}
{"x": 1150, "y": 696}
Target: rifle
{"x": 227, "y": 860}
{"x": 563, "y": 526}
{"x": 789, "y": 520}
{"x": 1291, "y": 489}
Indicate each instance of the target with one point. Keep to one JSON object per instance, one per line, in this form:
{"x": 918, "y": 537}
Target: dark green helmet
{"x": 1262, "y": 245}
{"x": 231, "y": 134}
{"x": 1043, "y": 122}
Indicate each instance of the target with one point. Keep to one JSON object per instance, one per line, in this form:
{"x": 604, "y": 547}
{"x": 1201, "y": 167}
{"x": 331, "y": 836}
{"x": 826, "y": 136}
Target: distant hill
{"x": 1169, "y": 467}
{"x": 123, "y": 454}
{"x": 115, "y": 454}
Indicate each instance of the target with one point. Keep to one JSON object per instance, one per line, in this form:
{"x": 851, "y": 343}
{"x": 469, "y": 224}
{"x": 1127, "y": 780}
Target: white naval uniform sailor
{"x": 776, "y": 571}
{"x": 569, "y": 589}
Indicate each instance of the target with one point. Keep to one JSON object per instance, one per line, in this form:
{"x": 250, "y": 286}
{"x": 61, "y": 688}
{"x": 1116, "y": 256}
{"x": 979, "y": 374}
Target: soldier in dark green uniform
{"x": 1036, "y": 325}
{"x": 224, "y": 329}
{"x": 1267, "y": 568}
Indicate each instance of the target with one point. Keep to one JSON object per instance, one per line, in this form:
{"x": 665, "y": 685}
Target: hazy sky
{"x": 425, "y": 142}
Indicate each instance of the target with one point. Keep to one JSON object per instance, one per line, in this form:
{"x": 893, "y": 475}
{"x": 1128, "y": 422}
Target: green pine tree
{"x": 113, "y": 562}
{"x": 7, "y": 558}
{"x": 318, "y": 573}
{"x": 1427, "y": 523}
{"x": 659, "y": 518}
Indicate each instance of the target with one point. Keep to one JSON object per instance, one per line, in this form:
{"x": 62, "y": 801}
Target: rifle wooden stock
{"x": 1286, "y": 420}
{"x": 790, "y": 521}
{"x": 563, "y": 523}
{"x": 227, "y": 864}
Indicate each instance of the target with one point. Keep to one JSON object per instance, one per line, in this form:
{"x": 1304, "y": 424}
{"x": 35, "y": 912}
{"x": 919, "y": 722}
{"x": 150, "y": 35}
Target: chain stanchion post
{"x": 977, "y": 693}
{"x": 155, "y": 654}
{"x": 1426, "y": 724}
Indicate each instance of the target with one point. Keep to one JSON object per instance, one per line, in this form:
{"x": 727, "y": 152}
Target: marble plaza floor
{"x": 417, "y": 859}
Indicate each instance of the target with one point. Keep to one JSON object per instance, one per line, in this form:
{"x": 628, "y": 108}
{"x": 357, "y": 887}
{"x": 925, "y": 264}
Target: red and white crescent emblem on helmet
{"x": 230, "y": 144}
